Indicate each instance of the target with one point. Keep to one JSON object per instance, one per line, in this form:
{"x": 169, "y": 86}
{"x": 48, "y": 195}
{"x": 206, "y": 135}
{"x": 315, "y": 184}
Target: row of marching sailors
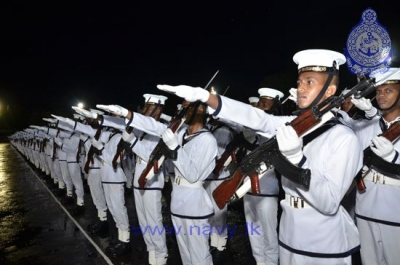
{"x": 204, "y": 140}
{"x": 314, "y": 227}
{"x": 61, "y": 152}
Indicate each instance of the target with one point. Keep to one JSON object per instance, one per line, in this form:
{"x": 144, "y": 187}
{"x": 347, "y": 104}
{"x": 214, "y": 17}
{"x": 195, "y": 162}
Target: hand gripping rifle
{"x": 375, "y": 161}
{"x": 122, "y": 146}
{"x": 92, "y": 149}
{"x": 269, "y": 153}
{"x": 156, "y": 157}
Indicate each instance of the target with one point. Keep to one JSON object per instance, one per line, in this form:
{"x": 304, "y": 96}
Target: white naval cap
{"x": 318, "y": 60}
{"x": 253, "y": 99}
{"x": 270, "y": 93}
{"x": 149, "y": 98}
{"x": 379, "y": 74}
{"x": 97, "y": 111}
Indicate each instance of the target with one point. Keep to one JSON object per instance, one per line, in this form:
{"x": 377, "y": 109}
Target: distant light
{"x": 80, "y": 105}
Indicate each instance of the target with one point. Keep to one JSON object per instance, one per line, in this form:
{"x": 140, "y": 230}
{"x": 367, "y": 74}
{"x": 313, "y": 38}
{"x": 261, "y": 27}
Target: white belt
{"x": 183, "y": 182}
{"x": 375, "y": 177}
{"x": 296, "y": 202}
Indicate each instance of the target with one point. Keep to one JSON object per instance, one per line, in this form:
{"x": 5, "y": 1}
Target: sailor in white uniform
{"x": 148, "y": 199}
{"x": 261, "y": 210}
{"x": 377, "y": 208}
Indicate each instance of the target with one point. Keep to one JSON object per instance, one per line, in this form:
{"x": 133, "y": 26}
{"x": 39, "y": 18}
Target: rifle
{"x": 269, "y": 153}
{"x": 122, "y": 145}
{"x": 78, "y": 153}
{"x": 55, "y": 146}
{"x": 371, "y": 159}
{"x": 156, "y": 157}
{"x": 92, "y": 151}
{"x": 229, "y": 155}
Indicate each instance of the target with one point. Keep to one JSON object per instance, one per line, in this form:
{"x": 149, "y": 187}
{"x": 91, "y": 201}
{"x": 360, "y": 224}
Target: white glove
{"x": 165, "y": 117}
{"x": 83, "y": 137}
{"x": 170, "y": 139}
{"x": 97, "y": 144}
{"x": 58, "y": 141}
{"x": 189, "y": 93}
{"x": 383, "y": 147}
{"x": 58, "y": 118}
{"x": 249, "y": 135}
{"x": 365, "y": 105}
{"x": 50, "y": 120}
{"x": 293, "y": 94}
{"x": 114, "y": 109}
{"x": 85, "y": 113}
{"x": 289, "y": 144}
{"x": 38, "y": 127}
{"x": 128, "y": 137}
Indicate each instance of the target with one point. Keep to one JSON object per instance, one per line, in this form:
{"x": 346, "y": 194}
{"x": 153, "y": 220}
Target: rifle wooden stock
{"x": 223, "y": 193}
{"x": 54, "y": 151}
{"x": 78, "y": 153}
{"x": 255, "y": 183}
{"x": 360, "y": 182}
{"x": 89, "y": 158}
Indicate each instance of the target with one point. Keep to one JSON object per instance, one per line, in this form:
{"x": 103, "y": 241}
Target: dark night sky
{"x": 54, "y": 54}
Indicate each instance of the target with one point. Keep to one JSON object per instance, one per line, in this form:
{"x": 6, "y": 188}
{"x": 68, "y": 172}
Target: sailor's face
{"x": 386, "y": 95}
{"x": 265, "y": 103}
{"x": 309, "y": 85}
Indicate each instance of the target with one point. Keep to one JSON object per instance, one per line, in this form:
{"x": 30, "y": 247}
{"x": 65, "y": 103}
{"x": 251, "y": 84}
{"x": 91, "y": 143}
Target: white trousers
{"x": 148, "y": 210}
{"x": 261, "y": 215}
{"x": 379, "y": 243}
{"x": 76, "y": 177}
{"x": 192, "y": 243}
{"x": 115, "y": 198}
{"x": 96, "y": 189}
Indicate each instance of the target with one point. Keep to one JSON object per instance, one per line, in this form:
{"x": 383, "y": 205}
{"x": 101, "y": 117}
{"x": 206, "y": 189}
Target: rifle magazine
{"x": 294, "y": 173}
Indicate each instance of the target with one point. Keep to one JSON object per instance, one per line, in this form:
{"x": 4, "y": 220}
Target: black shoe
{"x": 78, "y": 210}
{"x": 60, "y": 192}
{"x": 68, "y": 200}
{"x": 119, "y": 249}
{"x": 99, "y": 228}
